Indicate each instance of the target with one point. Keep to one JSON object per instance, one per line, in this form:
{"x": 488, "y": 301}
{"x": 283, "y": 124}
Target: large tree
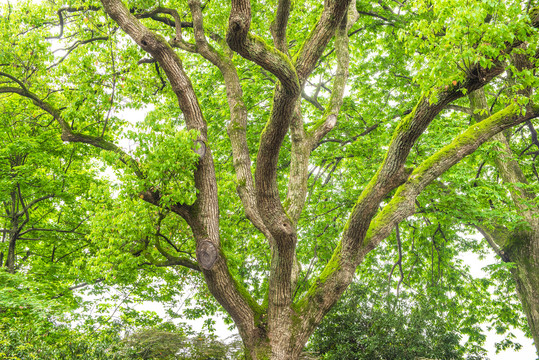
{"x": 383, "y": 78}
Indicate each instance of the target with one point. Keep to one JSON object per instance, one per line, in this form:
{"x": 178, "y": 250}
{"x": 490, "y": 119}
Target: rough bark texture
{"x": 524, "y": 252}
{"x": 203, "y": 216}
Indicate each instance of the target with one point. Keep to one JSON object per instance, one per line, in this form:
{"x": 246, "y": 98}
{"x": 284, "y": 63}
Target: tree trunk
{"x": 12, "y": 235}
{"x": 10, "y": 260}
{"x": 523, "y": 250}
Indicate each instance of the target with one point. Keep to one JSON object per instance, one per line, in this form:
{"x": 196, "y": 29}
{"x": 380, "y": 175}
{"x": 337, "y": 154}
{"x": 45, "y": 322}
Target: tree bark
{"x": 523, "y": 250}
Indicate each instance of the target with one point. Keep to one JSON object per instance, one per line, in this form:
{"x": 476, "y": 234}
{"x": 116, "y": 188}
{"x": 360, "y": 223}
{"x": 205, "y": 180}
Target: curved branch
{"x": 314, "y": 46}
{"x": 73, "y": 47}
{"x": 313, "y": 100}
{"x": 161, "y": 10}
{"x": 173, "y": 260}
{"x": 340, "y": 270}
{"x": 493, "y": 241}
{"x": 20, "y": 83}
{"x": 204, "y": 215}
{"x": 303, "y": 143}
{"x": 339, "y": 83}
{"x": 70, "y": 10}
{"x": 31, "y": 203}
{"x": 75, "y": 287}
{"x": 402, "y": 203}
{"x": 392, "y": 173}
{"x": 255, "y": 49}
{"x": 69, "y": 135}
{"x": 278, "y": 26}
{"x": 237, "y": 127}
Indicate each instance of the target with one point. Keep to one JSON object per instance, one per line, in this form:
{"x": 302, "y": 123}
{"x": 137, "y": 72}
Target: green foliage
{"x": 166, "y": 156}
{"x": 38, "y": 338}
{"x": 44, "y": 339}
{"x": 366, "y": 326}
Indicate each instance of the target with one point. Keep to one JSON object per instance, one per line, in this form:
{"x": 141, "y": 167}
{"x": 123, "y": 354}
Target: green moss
{"x": 516, "y": 244}
{"x": 242, "y": 183}
{"x": 367, "y": 191}
{"x": 296, "y": 322}
{"x": 257, "y": 309}
{"x": 384, "y": 217}
{"x": 263, "y": 351}
{"x": 405, "y": 123}
{"x": 469, "y": 136}
{"x": 266, "y": 126}
{"x": 286, "y": 203}
{"x": 333, "y": 265}
{"x": 276, "y": 52}
{"x": 236, "y": 127}
{"x": 265, "y": 303}
{"x": 239, "y": 105}
{"x": 320, "y": 122}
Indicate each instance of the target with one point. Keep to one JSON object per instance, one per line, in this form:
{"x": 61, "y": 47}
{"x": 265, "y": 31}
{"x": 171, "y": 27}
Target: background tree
{"x": 135, "y": 336}
{"x": 43, "y": 222}
{"x": 290, "y": 80}
{"x": 40, "y": 180}
{"x": 384, "y": 332}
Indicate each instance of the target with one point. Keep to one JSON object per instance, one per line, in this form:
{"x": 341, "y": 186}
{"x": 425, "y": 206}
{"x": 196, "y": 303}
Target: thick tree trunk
{"x": 523, "y": 250}
{"x": 286, "y": 345}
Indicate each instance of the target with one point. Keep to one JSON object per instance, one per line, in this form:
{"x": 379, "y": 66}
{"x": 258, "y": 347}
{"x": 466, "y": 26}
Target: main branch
{"x": 204, "y": 215}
